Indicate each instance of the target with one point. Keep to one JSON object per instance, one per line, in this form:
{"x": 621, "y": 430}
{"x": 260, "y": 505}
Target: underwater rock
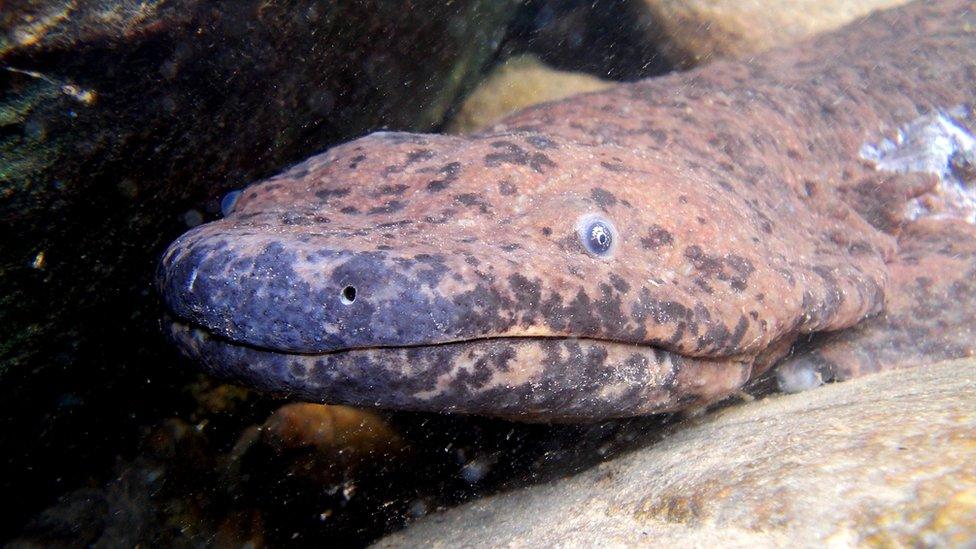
{"x": 123, "y": 121}
{"x": 612, "y": 40}
{"x": 145, "y": 499}
{"x": 186, "y": 486}
{"x": 880, "y": 460}
{"x": 119, "y": 115}
{"x": 518, "y": 83}
{"x": 341, "y": 429}
{"x": 325, "y": 444}
{"x": 690, "y": 32}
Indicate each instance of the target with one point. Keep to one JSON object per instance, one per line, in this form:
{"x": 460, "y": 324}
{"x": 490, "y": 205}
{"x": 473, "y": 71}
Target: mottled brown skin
{"x": 930, "y": 314}
{"x": 737, "y": 230}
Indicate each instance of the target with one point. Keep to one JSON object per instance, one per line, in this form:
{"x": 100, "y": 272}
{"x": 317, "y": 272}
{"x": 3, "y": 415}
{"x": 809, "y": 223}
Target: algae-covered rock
{"x": 119, "y": 116}
{"x": 691, "y": 32}
{"x": 881, "y": 460}
{"x": 514, "y": 85}
{"x": 124, "y": 121}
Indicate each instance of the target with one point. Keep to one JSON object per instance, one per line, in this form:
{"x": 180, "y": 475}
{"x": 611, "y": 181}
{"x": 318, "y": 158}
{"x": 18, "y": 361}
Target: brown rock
{"x": 694, "y": 31}
{"x": 333, "y": 429}
{"x": 885, "y": 459}
{"x": 318, "y": 442}
{"x": 520, "y": 82}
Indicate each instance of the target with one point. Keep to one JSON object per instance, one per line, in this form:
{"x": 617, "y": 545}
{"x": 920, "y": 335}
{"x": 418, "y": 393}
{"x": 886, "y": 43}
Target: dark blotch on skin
{"x": 413, "y": 157}
{"x": 507, "y": 188}
{"x": 540, "y": 162}
{"x": 473, "y": 199}
{"x": 513, "y": 154}
{"x": 395, "y": 190}
{"x": 619, "y": 283}
{"x": 706, "y": 264}
{"x": 326, "y": 194}
{"x": 541, "y": 142}
{"x": 449, "y": 174}
{"x": 613, "y": 166}
{"x": 659, "y": 136}
{"x": 297, "y": 218}
{"x": 419, "y": 155}
{"x": 728, "y": 143}
{"x": 401, "y": 223}
{"x": 528, "y": 294}
{"x": 354, "y": 162}
{"x": 809, "y": 188}
{"x": 657, "y": 236}
{"x": 733, "y": 269}
{"x": 389, "y": 207}
{"x": 603, "y": 197}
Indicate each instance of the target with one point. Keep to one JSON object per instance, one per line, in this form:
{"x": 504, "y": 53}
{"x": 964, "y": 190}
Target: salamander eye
{"x": 229, "y": 201}
{"x": 597, "y": 235}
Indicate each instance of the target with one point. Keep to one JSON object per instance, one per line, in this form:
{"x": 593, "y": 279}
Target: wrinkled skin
{"x": 930, "y": 313}
{"x": 441, "y": 273}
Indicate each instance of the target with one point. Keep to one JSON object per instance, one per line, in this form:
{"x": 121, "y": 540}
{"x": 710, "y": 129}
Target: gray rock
{"x": 886, "y": 459}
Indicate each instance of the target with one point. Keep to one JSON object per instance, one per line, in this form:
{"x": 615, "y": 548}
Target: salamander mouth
{"x": 183, "y": 326}
{"x": 524, "y": 377}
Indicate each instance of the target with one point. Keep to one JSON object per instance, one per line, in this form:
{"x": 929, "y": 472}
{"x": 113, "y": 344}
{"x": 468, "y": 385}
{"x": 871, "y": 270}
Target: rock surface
{"x": 318, "y": 442}
{"x": 120, "y": 116}
{"x": 518, "y": 83}
{"x": 241, "y": 470}
{"x": 123, "y": 122}
{"x": 882, "y": 460}
{"x": 609, "y": 39}
{"x": 691, "y": 32}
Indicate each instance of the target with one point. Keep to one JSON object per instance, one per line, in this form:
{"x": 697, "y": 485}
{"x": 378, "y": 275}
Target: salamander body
{"x": 642, "y": 249}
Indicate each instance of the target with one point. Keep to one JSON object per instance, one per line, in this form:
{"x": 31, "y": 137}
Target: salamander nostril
{"x": 348, "y": 295}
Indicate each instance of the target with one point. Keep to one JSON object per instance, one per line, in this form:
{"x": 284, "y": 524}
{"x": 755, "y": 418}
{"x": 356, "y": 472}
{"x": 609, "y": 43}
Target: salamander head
{"x": 402, "y": 263}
